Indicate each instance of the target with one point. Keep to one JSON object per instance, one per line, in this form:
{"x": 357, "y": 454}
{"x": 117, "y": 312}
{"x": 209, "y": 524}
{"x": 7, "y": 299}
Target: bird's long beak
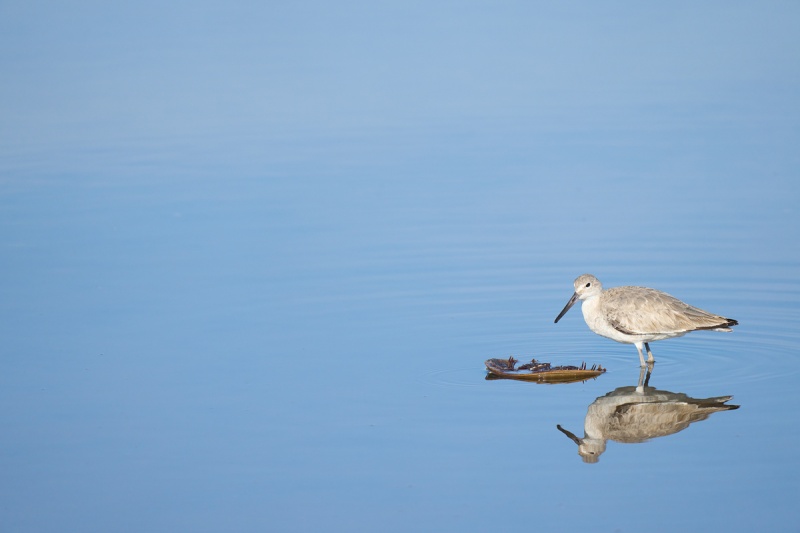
{"x": 570, "y": 303}
{"x": 569, "y": 434}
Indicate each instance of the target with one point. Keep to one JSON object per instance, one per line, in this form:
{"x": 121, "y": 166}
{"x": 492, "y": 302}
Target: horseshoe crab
{"x": 539, "y": 371}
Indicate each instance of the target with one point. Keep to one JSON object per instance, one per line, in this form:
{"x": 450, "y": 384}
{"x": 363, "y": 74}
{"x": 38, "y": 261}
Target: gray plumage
{"x": 639, "y": 315}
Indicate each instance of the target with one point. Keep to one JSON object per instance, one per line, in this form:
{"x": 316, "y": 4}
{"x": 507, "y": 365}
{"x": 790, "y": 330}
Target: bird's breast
{"x": 598, "y": 322}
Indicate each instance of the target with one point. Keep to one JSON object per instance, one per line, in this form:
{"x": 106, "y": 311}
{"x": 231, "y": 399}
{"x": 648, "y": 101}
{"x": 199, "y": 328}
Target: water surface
{"x": 254, "y": 263}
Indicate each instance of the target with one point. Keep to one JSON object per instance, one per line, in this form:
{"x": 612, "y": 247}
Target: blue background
{"x": 255, "y": 254}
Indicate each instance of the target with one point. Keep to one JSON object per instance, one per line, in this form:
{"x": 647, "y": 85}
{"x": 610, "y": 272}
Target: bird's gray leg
{"x": 639, "y": 349}
{"x": 640, "y": 385}
{"x": 649, "y": 354}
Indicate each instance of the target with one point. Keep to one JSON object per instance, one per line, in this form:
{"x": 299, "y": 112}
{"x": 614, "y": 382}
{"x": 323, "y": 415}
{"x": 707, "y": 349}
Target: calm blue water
{"x": 254, "y": 258}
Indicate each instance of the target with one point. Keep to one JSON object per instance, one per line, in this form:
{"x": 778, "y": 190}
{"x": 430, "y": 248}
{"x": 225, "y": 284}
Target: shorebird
{"x": 639, "y": 315}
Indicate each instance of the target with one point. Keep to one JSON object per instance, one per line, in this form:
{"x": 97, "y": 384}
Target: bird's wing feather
{"x": 640, "y": 310}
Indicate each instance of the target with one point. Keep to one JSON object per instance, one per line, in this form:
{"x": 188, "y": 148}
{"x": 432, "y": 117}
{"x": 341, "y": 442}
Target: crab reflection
{"x": 637, "y": 414}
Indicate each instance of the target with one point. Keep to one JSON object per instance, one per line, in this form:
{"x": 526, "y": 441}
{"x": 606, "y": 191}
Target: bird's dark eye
{"x": 589, "y": 284}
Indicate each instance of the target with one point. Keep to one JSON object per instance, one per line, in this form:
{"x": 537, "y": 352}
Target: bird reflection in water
{"x": 637, "y": 414}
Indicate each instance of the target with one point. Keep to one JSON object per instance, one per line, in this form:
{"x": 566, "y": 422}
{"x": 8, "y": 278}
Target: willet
{"x": 639, "y": 315}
